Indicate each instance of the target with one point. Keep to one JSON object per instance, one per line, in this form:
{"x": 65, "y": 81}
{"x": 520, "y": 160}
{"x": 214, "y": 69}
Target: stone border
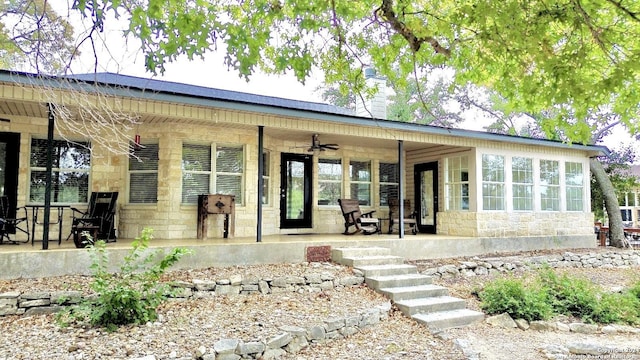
{"x": 291, "y": 339}
{"x": 485, "y": 266}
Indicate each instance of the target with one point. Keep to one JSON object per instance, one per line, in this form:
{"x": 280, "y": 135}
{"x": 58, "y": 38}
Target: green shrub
{"x": 520, "y": 302}
{"x": 130, "y": 296}
{"x": 635, "y": 289}
{"x": 618, "y": 308}
{"x": 570, "y": 295}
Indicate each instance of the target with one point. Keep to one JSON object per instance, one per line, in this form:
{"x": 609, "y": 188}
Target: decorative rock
{"x": 522, "y": 324}
{"x": 253, "y": 347}
{"x": 235, "y": 279}
{"x": 540, "y": 326}
{"x": 204, "y": 285}
{"x": 270, "y": 354}
{"x": 296, "y": 344}
{"x": 225, "y": 346}
{"x": 334, "y": 324}
{"x": 562, "y": 327}
{"x": 351, "y": 280}
{"x": 66, "y": 297}
{"x": 608, "y": 329}
{"x": 589, "y": 349}
{"x": 316, "y": 332}
{"x": 503, "y": 320}
{"x": 583, "y": 328}
{"x": 278, "y": 341}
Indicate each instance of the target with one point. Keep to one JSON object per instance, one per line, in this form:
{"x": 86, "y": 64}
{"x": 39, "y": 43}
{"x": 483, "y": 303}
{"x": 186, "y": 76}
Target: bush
{"x": 570, "y": 295}
{"x": 512, "y": 297}
{"x": 618, "y": 308}
{"x": 130, "y": 296}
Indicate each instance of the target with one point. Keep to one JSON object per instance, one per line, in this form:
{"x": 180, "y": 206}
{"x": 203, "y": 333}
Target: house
{"x": 628, "y": 201}
{"x": 195, "y": 140}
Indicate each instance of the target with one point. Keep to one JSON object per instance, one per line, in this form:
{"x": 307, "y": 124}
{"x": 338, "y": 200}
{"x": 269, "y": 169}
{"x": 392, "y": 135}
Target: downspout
{"x": 260, "y": 182}
{"x": 401, "y": 170}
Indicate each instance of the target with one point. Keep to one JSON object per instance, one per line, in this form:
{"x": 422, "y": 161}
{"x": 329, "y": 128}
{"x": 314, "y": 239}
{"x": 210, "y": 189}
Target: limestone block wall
{"x": 514, "y": 224}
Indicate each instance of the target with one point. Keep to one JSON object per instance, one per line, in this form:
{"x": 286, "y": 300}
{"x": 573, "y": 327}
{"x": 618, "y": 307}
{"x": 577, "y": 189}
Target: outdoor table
{"x": 35, "y": 209}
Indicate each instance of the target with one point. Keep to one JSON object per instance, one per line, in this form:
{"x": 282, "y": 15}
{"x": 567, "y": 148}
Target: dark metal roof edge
{"x": 10, "y": 76}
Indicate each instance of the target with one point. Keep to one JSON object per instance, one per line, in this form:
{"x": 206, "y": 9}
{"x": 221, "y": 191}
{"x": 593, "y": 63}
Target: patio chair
{"x": 409, "y": 216}
{"x": 355, "y": 218}
{"x": 10, "y": 224}
{"x": 99, "y": 219}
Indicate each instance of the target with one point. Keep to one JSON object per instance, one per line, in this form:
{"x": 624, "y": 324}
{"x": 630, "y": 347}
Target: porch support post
{"x": 260, "y": 182}
{"x": 401, "y": 170}
{"x": 47, "y": 179}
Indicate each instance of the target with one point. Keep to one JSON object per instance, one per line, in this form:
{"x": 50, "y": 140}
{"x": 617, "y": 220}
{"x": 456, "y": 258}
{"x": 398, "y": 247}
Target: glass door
{"x": 426, "y": 188}
{"x": 295, "y": 191}
{"x": 9, "y": 150}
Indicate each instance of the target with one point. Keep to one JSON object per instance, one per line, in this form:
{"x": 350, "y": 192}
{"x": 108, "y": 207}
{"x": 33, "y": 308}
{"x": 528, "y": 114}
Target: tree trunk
{"x": 616, "y": 229}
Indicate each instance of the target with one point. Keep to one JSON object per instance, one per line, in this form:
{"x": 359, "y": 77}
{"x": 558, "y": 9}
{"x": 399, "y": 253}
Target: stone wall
{"x": 487, "y": 265}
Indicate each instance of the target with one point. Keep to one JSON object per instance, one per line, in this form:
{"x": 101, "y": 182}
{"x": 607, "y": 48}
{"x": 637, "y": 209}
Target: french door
{"x": 426, "y": 190}
{"x": 9, "y": 151}
{"x": 295, "y": 191}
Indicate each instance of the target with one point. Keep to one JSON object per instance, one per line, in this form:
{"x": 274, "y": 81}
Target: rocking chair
{"x": 364, "y": 222}
{"x": 409, "y": 216}
{"x": 97, "y": 220}
{"x": 10, "y": 224}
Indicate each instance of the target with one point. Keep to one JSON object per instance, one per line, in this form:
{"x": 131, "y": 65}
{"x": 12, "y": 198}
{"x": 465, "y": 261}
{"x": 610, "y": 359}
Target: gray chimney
{"x": 376, "y": 106}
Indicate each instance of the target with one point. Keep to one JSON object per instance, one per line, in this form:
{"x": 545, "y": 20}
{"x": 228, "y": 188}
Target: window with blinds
{"x": 388, "y": 182}
{"x": 360, "y": 181}
{"x": 71, "y": 163}
{"x": 143, "y": 174}
{"x": 203, "y": 173}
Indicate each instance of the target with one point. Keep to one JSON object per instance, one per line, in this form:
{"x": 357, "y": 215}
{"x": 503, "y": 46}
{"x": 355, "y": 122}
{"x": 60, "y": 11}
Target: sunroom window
{"x": 549, "y": 185}
{"x": 574, "y": 180}
{"x": 457, "y": 183}
{"x": 71, "y": 163}
{"x": 493, "y": 196}
{"x": 522, "y": 177}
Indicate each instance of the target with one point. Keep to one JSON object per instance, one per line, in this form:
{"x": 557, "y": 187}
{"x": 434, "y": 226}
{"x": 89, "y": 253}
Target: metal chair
{"x": 11, "y": 222}
{"x": 100, "y": 216}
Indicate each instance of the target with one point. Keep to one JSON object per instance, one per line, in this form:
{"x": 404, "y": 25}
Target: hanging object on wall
{"x": 137, "y": 140}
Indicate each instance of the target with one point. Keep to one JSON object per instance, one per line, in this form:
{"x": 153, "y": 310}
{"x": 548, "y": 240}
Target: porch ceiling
{"x": 39, "y": 110}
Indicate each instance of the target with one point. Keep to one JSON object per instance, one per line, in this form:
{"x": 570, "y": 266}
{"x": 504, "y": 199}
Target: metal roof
{"x": 159, "y": 90}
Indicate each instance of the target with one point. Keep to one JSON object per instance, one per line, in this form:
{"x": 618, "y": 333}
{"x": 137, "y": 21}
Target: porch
{"x": 29, "y": 261}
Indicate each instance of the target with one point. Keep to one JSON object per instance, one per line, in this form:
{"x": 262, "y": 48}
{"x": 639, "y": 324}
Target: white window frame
{"x": 361, "y": 183}
{"x": 213, "y": 173}
{"x": 553, "y": 185}
{"x": 266, "y": 176}
{"x": 574, "y": 191}
{"x": 493, "y": 184}
{"x": 337, "y": 164}
{"x": 136, "y": 158}
{"x": 456, "y": 170}
{"x": 522, "y": 179}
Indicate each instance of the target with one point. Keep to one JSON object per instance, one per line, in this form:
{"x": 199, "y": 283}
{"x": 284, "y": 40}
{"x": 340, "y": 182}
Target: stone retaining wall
{"x": 484, "y": 266}
{"x": 291, "y": 339}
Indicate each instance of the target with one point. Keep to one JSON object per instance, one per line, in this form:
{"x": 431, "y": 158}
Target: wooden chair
{"x": 364, "y": 222}
{"x": 100, "y": 215}
{"x": 10, "y": 224}
{"x": 409, "y": 216}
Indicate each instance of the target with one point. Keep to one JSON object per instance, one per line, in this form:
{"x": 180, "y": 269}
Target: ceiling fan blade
{"x": 330, "y": 146}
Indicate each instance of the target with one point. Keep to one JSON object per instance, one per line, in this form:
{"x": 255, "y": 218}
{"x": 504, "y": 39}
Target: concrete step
{"x": 387, "y": 270}
{"x": 338, "y": 254}
{"x": 430, "y": 305}
{"x": 372, "y": 260}
{"x": 449, "y": 319}
{"x": 379, "y": 282}
{"x": 413, "y": 292}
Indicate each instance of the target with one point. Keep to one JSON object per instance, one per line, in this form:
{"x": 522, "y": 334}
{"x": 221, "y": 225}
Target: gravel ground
{"x": 185, "y": 325}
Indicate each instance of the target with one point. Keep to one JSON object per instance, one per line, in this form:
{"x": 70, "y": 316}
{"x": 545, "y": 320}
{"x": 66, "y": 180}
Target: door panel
{"x": 9, "y": 154}
{"x": 295, "y": 191}
{"x": 426, "y": 189}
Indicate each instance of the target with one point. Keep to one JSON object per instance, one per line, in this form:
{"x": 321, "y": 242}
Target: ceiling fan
{"x": 317, "y": 146}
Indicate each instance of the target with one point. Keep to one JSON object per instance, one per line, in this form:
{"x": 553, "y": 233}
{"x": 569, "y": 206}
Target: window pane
{"x": 388, "y": 192}
{"x": 329, "y": 193}
{"x": 143, "y": 188}
{"x": 360, "y": 171}
{"x": 230, "y": 185}
{"x": 144, "y": 158}
{"x": 457, "y": 183}
{"x": 229, "y": 160}
{"x": 362, "y": 192}
{"x": 196, "y": 157}
{"x": 388, "y": 173}
{"x": 194, "y": 185}
{"x": 66, "y": 187}
{"x": 329, "y": 169}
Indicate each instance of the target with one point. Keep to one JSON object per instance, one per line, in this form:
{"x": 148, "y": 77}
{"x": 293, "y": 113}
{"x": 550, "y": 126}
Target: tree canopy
{"x": 574, "y": 56}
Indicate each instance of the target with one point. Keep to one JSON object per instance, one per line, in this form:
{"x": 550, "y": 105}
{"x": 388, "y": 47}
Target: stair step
{"x": 338, "y": 254}
{"x": 430, "y": 305}
{"x": 448, "y": 319}
{"x": 414, "y": 292}
{"x": 379, "y": 282}
{"x": 372, "y": 260}
{"x": 387, "y": 270}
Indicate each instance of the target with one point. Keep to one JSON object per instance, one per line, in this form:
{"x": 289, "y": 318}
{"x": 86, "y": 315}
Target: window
{"x": 329, "y": 181}
{"x": 360, "y": 180}
{"x": 626, "y": 215}
{"x": 457, "y": 183}
{"x": 265, "y": 177}
{"x": 522, "y": 186}
{"x": 626, "y": 199}
{"x": 574, "y": 180}
{"x": 198, "y": 177}
{"x": 549, "y": 185}
{"x": 143, "y": 174}
{"x": 388, "y": 182}
{"x": 492, "y": 182}
{"x": 70, "y": 171}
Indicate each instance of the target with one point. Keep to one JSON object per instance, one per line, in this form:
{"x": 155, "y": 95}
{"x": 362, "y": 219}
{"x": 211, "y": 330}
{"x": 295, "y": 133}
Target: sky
{"x": 121, "y": 57}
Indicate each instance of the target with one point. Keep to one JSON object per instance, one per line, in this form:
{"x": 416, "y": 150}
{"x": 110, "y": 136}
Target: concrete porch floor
{"x": 30, "y": 261}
